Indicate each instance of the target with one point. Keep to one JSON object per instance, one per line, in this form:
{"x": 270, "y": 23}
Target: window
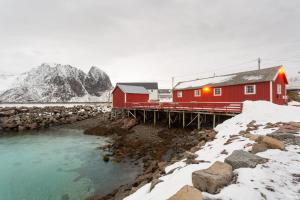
{"x": 179, "y": 94}
{"x": 217, "y": 92}
{"x": 278, "y": 88}
{"x": 197, "y": 93}
{"x": 250, "y": 89}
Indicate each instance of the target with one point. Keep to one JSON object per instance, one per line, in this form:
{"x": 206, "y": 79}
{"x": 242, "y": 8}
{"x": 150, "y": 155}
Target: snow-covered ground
{"x": 272, "y": 180}
{"x": 294, "y": 103}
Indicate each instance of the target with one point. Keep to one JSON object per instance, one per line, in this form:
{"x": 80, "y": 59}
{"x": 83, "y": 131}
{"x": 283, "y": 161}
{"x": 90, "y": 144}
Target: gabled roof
{"x": 147, "y": 85}
{"x": 254, "y": 76}
{"x": 131, "y": 89}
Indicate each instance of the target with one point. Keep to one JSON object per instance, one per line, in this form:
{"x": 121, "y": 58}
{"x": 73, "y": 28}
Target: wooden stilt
{"x": 214, "y": 121}
{"x": 154, "y": 113}
{"x": 169, "y": 114}
{"x": 199, "y": 125}
{"x": 144, "y": 116}
{"x": 183, "y": 119}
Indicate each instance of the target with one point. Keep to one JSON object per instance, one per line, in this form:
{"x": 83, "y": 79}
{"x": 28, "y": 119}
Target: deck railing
{"x": 224, "y": 107}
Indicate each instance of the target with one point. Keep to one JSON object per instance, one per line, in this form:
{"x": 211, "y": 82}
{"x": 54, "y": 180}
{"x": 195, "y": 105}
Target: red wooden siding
{"x": 232, "y": 93}
{"x": 279, "y": 98}
{"x": 137, "y": 98}
{"x": 118, "y": 98}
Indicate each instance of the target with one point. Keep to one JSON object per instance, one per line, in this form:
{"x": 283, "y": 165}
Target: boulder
{"x": 259, "y": 147}
{"x": 128, "y": 123}
{"x": 187, "y": 193}
{"x": 282, "y": 136}
{"x": 244, "y": 159}
{"x": 214, "y": 178}
{"x": 272, "y": 143}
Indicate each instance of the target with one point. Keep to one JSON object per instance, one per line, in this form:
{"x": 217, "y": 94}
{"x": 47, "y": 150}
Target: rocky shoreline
{"x": 33, "y": 118}
{"x": 154, "y": 147}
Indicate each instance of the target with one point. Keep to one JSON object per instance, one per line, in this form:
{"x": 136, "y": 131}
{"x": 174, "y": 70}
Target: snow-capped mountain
{"x": 56, "y": 83}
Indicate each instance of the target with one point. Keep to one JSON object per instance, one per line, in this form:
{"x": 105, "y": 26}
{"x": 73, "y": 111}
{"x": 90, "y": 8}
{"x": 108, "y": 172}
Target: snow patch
{"x": 254, "y": 183}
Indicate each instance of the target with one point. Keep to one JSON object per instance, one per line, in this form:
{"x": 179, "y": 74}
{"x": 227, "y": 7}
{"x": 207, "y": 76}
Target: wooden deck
{"x": 218, "y": 108}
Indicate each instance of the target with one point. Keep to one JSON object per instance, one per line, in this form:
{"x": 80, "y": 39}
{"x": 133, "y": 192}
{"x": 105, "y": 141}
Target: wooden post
{"x": 199, "y": 125}
{"x": 183, "y": 119}
{"x": 154, "y": 113}
{"x": 144, "y": 116}
{"x": 169, "y": 114}
{"x": 214, "y": 121}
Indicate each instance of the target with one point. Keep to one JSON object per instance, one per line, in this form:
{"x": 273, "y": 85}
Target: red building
{"x": 123, "y": 94}
{"x": 267, "y": 84}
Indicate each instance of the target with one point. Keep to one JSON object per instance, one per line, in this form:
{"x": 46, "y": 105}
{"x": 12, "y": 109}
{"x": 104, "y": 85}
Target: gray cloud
{"x": 137, "y": 40}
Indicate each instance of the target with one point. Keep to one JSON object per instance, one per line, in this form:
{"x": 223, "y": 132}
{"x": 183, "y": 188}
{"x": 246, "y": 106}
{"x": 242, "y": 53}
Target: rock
{"x": 21, "y": 128}
{"x": 154, "y": 183}
{"x": 244, "y": 159}
{"x": 214, "y": 178}
{"x": 272, "y": 143}
{"x": 190, "y": 155}
{"x": 224, "y": 152}
{"x": 128, "y": 123}
{"x": 251, "y": 136}
{"x": 259, "y": 147}
{"x": 282, "y": 136}
{"x": 187, "y": 193}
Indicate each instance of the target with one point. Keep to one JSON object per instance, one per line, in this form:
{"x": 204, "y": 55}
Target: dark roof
{"x": 147, "y": 85}
{"x": 132, "y": 89}
{"x": 254, "y": 76}
{"x": 164, "y": 91}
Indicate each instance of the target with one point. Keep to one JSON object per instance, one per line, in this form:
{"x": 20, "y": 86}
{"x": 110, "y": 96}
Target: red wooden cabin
{"x": 123, "y": 94}
{"x": 267, "y": 84}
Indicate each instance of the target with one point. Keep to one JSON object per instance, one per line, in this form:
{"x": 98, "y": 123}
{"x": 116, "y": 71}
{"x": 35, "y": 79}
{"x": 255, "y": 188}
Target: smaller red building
{"x": 267, "y": 84}
{"x": 123, "y": 94}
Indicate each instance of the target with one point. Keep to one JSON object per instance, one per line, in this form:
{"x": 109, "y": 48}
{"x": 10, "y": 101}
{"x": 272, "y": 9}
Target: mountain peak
{"x": 52, "y": 82}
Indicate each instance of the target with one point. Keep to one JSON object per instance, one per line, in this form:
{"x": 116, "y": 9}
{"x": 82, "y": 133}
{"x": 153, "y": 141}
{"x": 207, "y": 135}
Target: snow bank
{"x": 254, "y": 183}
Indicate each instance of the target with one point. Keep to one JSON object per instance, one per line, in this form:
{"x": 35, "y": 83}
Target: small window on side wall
{"x": 217, "y": 91}
{"x": 179, "y": 94}
{"x": 278, "y": 88}
{"x": 250, "y": 89}
{"x": 197, "y": 93}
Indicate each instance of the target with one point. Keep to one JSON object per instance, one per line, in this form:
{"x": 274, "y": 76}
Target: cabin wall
{"x": 233, "y": 93}
{"x": 118, "y": 98}
{"x": 279, "y": 98}
{"x": 131, "y": 98}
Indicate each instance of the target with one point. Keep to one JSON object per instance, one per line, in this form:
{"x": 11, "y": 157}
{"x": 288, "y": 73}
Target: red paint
{"x": 137, "y": 98}
{"x": 279, "y": 98}
{"x": 120, "y": 98}
{"x": 233, "y": 93}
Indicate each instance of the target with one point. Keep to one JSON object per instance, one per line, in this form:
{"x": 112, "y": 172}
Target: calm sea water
{"x": 57, "y": 164}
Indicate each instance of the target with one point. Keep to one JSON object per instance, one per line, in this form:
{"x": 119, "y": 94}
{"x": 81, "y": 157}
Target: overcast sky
{"x": 150, "y": 40}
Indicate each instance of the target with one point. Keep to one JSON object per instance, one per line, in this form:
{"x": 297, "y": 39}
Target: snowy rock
{"x": 272, "y": 143}
{"x": 259, "y": 147}
{"x": 57, "y": 83}
{"x": 187, "y": 193}
{"x": 286, "y": 138}
{"x": 244, "y": 159}
{"x": 214, "y": 178}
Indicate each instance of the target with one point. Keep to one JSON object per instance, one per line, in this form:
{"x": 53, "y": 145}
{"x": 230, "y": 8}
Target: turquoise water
{"x": 57, "y": 164}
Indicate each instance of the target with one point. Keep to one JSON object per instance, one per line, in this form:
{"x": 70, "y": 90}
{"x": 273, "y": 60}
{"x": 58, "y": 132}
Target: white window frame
{"x": 179, "y": 94}
{"x": 279, "y": 89}
{"x": 249, "y": 93}
{"x": 197, "y": 93}
{"x": 215, "y": 89}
